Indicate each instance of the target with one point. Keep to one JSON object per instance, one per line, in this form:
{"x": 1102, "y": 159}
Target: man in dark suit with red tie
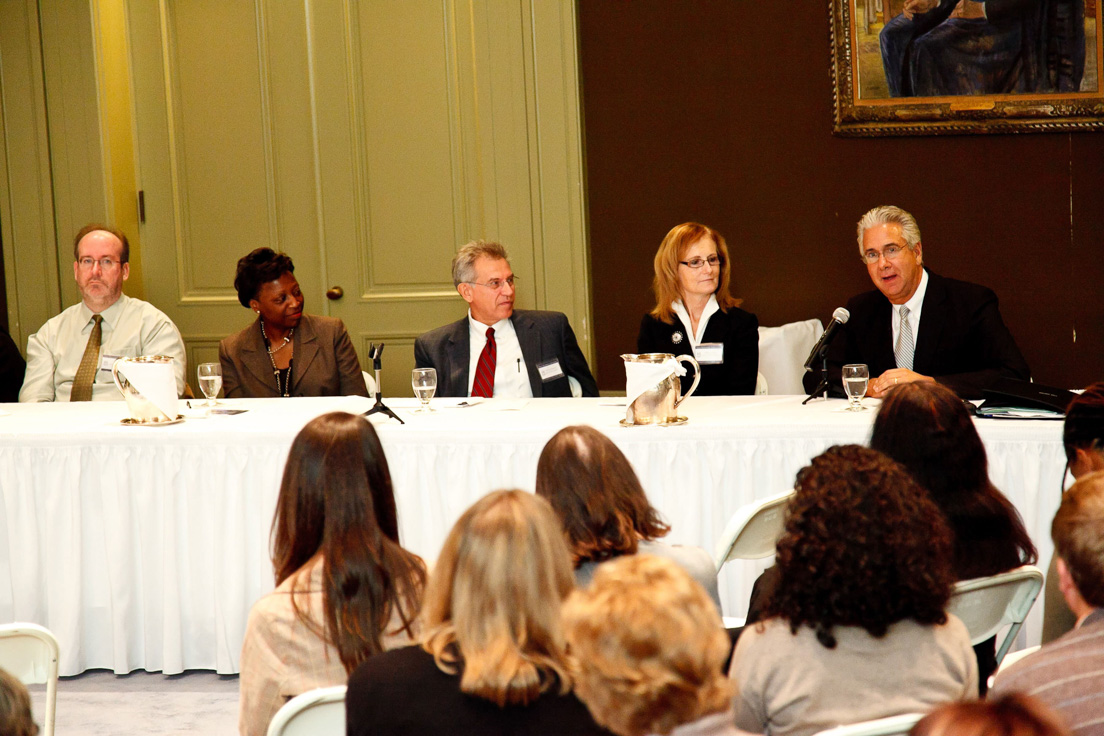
{"x": 497, "y": 351}
{"x": 918, "y": 326}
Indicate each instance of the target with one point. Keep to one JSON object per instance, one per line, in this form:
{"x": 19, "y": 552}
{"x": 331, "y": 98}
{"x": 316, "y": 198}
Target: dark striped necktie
{"x": 485, "y": 368}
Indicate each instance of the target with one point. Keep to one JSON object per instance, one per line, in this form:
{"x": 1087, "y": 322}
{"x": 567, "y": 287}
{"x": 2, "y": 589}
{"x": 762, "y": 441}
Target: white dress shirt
{"x": 915, "y": 304}
{"x": 130, "y": 328}
{"x": 511, "y": 375}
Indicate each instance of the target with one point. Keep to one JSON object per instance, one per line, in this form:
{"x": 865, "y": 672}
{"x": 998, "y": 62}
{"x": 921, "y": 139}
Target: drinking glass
{"x": 424, "y": 381}
{"x": 210, "y": 381}
{"x": 855, "y": 378}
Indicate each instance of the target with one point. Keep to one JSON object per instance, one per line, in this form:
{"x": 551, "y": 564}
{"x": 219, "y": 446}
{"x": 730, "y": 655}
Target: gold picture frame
{"x": 898, "y": 74}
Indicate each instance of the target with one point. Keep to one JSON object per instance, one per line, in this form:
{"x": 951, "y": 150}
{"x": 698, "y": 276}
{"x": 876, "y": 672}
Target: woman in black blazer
{"x": 492, "y": 658}
{"x": 696, "y": 314}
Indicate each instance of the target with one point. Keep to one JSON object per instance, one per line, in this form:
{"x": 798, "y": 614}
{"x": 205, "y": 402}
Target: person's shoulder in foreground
{"x": 1068, "y": 673}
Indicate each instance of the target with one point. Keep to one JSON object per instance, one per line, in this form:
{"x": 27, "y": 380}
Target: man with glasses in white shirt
{"x": 498, "y": 351}
{"x": 70, "y": 357}
{"x": 916, "y": 325}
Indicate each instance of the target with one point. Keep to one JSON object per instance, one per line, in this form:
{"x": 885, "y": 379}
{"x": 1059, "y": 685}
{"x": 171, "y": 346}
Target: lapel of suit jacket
{"x": 306, "y": 348}
{"x": 458, "y": 354}
{"x": 933, "y": 315}
{"x": 529, "y": 339}
{"x": 255, "y": 358}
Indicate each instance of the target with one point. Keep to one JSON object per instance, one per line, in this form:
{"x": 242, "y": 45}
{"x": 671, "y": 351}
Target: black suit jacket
{"x": 736, "y": 329}
{"x": 542, "y": 336}
{"x": 962, "y": 341}
{"x": 402, "y": 692}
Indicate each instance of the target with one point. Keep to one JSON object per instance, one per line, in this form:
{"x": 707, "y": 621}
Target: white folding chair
{"x": 30, "y": 653}
{"x": 753, "y": 531}
{"x": 782, "y": 354}
{"x": 761, "y": 387}
{"x": 987, "y": 605}
{"x": 892, "y": 726}
{"x": 319, "y": 712}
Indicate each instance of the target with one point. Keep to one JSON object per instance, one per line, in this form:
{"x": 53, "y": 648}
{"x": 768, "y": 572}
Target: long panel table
{"x": 144, "y": 547}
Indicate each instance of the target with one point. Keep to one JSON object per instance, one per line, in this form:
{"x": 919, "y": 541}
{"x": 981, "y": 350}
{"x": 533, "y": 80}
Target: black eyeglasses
{"x": 713, "y": 261}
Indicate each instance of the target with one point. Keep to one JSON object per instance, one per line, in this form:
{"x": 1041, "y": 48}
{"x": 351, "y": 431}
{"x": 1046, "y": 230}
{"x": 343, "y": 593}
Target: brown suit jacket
{"x": 324, "y": 362}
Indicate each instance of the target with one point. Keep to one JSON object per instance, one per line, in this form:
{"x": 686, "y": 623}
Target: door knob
{"x": 335, "y": 293}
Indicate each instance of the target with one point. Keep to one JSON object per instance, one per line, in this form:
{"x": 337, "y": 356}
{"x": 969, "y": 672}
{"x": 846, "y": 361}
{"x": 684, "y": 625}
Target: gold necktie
{"x": 86, "y": 373}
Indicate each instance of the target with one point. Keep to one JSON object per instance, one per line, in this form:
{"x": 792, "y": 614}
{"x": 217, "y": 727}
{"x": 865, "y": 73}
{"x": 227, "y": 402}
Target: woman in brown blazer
{"x": 285, "y": 352}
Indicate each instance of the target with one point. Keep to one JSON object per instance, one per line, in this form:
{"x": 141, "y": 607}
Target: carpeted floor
{"x": 100, "y": 703}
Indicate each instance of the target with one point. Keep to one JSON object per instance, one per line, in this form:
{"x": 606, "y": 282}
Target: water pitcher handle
{"x": 115, "y": 375}
{"x": 697, "y": 377}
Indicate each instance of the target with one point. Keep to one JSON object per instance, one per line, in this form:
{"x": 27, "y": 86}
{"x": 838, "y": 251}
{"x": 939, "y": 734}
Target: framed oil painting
{"x": 938, "y": 67}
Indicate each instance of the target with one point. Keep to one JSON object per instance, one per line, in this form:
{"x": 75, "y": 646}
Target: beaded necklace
{"x": 282, "y": 388}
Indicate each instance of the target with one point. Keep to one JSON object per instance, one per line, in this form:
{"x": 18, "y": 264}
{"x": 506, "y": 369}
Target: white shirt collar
{"x": 711, "y": 307}
{"x": 917, "y": 300}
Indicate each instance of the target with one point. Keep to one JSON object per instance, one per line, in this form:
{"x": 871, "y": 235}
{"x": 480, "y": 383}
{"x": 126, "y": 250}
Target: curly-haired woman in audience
{"x": 925, "y": 427}
{"x": 650, "y": 648}
{"x": 605, "y": 514}
{"x": 1083, "y": 438}
{"x": 492, "y": 658}
{"x": 345, "y": 588}
{"x": 856, "y": 629}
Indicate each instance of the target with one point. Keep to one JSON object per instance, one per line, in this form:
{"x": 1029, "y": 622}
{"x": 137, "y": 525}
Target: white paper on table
{"x": 641, "y": 377}
{"x": 156, "y": 382}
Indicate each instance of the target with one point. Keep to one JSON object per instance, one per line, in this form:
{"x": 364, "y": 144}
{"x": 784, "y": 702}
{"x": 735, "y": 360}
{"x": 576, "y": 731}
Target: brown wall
{"x": 720, "y": 111}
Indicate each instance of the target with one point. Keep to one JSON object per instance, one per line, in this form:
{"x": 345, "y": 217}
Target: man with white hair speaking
{"x": 916, "y": 325}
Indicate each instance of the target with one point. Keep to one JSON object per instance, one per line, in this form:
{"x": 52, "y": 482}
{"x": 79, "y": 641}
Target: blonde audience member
{"x": 857, "y": 629}
{"x": 603, "y": 509}
{"x": 492, "y": 658}
{"x": 15, "y": 707}
{"x": 650, "y": 649}
{"x": 345, "y": 588}
{"x": 1012, "y": 715}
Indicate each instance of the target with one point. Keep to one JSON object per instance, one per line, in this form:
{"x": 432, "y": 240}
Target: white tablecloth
{"x": 144, "y": 547}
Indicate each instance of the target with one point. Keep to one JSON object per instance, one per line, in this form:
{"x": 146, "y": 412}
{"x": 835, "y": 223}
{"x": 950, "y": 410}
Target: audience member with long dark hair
{"x": 857, "y": 627}
{"x": 926, "y": 427}
{"x": 605, "y": 514}
{"x": 1083, "y": 438}
{"x": 492, "y": 658}
{"x": 345, "y": 589}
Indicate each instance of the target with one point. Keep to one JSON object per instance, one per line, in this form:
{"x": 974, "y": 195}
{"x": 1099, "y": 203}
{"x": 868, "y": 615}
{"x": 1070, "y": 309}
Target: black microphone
{"x": 839, "y": 317}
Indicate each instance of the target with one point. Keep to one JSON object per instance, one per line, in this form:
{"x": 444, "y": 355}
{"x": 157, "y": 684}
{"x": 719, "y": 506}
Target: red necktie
{"x": 485, "y": 368}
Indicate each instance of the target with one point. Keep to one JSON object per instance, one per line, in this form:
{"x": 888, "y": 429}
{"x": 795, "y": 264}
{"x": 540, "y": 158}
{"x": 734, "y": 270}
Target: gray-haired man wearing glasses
{"x": 497, "y": 350}
{"x": 916, "y": 325}
{"x": 70, "y": 357}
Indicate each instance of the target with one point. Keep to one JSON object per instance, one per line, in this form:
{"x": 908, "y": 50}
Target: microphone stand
{"x": 823, "y": 385}
{"x": 376, "y": 353}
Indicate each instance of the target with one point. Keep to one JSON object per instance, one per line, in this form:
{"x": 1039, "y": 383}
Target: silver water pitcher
{"x": 659, "y": 404}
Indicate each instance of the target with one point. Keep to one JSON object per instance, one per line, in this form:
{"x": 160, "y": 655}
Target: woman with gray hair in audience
{"x": 603, "y": 509}
{"x": 650, "y": 649}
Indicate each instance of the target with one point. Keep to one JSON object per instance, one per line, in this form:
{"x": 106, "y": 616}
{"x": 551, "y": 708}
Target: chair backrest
{"x": 319, "y": 712}
{"x": 892, "y": 726}
{"x": 987, "y": 605}
{"x": 782, "y": 354}
{"x": 369, "y": 383}
{"x": 753, "y": 531}
{"x": 761, "y": 387}
{"x": 30, "y": 653}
